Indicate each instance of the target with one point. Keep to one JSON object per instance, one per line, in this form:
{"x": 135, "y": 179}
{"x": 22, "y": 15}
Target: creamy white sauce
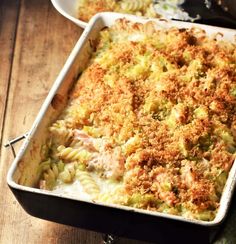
{"x": 72, "y": 189}
{"x": 75, "y": 189}
{"x": 171, "y": 9}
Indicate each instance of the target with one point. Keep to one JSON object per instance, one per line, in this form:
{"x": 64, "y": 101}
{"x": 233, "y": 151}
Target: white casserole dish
{"x": 22, "y": 176}
{"x": 68, "y": 9}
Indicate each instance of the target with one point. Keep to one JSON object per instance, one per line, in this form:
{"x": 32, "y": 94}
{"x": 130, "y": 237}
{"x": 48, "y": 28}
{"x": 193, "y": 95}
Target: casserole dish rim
{"x": 67, "y": 15}
{"x": 111, "y": 17}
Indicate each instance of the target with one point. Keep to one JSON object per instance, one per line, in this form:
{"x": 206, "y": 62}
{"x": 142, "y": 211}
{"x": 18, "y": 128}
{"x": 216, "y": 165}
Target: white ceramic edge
{"x": 78, "y": 22}
{"x": 230, "y": 184}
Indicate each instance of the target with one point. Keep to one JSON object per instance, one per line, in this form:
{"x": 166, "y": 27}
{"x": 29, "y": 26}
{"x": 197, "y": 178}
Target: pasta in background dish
{"x": 151, "y": 122}
{"x": 169, "y": 9}
{"x": 88, "y": 8}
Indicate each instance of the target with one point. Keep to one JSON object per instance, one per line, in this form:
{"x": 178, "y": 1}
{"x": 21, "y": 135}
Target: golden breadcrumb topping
{"x": 155, "y": 108}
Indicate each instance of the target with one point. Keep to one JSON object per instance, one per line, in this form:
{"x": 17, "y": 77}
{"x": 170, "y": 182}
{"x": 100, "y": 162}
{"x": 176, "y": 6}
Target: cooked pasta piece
{"x": 135, "y": 5}
{"x": 72, "y": 154}
{"x": 50, "y": 172}
{"x": 87, "y": 182}
{"x": 63, "y": 134}
{"x": 68, "y": 174}
{"x": 114, "y": 196}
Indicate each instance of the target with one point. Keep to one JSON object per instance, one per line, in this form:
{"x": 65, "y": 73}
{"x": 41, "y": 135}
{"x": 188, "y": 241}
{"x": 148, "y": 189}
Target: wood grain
{"x": 8, "y": 23}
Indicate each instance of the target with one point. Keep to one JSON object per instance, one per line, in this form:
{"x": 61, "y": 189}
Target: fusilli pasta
{"x": 68, "y": 174}
{"x": 88, "y": 183}
{"x": 135, "y": 5}
{"x": 72, "y": 154}
{"x": 50, "y": 172}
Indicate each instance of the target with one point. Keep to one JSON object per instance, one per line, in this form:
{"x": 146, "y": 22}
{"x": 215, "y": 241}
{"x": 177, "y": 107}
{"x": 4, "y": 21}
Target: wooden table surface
{"x": 34, "y": 43}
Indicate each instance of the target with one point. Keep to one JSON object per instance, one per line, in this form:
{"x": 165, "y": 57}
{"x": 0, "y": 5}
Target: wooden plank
{"x": 8, "y": 23}
{"x": 44, "y": 40}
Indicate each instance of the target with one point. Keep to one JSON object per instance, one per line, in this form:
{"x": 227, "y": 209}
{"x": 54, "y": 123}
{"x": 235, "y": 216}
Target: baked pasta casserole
{"x": 150, "y": 123}
{"x": 88, "y": 8}
{"x": 169, "y": 9}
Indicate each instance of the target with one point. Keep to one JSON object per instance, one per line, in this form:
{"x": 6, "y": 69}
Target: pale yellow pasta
{"x": 68, "y": 174}
{"x": 88, "y": 183}
{"x": 50, "y": 173}
{"x": 72, "y": 154}
{"x": 135, "y": 5}
{"x": 115, "y": 196}
{"x": 61, "y": 132}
